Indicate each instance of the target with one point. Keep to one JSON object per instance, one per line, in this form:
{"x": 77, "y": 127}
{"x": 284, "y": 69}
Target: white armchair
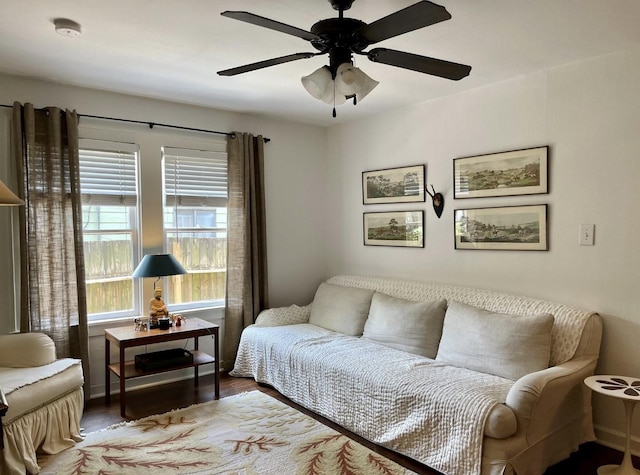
{"x": 45, "y": 401}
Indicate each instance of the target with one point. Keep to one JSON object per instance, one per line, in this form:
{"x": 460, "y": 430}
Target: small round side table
{"x": 627, "y": 389}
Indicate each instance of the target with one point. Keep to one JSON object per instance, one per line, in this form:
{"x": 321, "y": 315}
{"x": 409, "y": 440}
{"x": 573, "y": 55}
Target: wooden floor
{"x": 159, "y": 399}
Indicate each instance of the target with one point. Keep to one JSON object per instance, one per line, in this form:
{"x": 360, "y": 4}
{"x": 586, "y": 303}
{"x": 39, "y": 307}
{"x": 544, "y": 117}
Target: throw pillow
{"x": 415, "y": 327}
{"x": 275, "y": 317}
{"x": 509, "y": 346}
{"x": 341, "y": 309}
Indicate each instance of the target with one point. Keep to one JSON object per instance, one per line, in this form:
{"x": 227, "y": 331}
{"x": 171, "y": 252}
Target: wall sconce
{"x": 438, "y": 201}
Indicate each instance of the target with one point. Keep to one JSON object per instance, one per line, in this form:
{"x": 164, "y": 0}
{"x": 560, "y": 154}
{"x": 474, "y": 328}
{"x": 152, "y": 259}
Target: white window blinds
{"x": 195, "y": 178}
{"x": 109, "y": 177}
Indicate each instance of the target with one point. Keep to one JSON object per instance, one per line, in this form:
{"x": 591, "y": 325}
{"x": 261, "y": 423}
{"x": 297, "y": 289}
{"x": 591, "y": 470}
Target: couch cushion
{"x": 27, "y": 389}
{"x": 415, "y": 327}
{"x": 504, "y": 345}
{"x": 341, "y": 309}
{"x": 42, "y": 350}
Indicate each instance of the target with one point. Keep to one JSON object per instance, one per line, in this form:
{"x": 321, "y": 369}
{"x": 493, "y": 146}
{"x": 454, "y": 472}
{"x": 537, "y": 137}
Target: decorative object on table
{"x": 222, "y": 437}
{"x": 341, "y": 37}
{"x": 157, "y": 265}
{"x": 140, "y": 324}
{"x": 628, "y": 390}
{"x": 164, "y": 323}
{"x": 395, "y": 228}
{"x": 393, "y": 185}
{"x": 519, "y": 172}
{"x": 438, "y": 201}
{"x": 158, "y": 310}
{"x": 177, "y": 319}
{"x": 510, "y": 228}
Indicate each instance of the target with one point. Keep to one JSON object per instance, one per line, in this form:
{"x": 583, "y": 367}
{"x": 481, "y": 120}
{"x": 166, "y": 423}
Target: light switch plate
{"x": 586, "y": 234}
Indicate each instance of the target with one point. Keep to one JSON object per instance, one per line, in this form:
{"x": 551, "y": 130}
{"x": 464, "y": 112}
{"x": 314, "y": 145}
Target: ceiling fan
{"x": 342, "y": 37}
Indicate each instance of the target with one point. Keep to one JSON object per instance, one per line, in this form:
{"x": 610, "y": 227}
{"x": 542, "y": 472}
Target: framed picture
{"x": 511, "y": 228}
{"x": 521, "y": 172}
{"x": 395, "y": 228}
{"x": 393, "y": 185}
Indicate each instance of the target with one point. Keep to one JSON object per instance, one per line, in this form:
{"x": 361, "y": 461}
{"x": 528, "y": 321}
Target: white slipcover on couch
{"x": 464, "y": 380}
{"x": 45, "y": 399}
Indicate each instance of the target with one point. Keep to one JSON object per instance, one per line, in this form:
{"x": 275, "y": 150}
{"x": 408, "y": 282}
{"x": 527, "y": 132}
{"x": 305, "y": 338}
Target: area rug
{"x": 250, "y": 433}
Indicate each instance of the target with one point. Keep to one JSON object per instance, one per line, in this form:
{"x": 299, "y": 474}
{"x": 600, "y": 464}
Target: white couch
{"x": 421, "y": 369}
{"x": 45, "y": 399}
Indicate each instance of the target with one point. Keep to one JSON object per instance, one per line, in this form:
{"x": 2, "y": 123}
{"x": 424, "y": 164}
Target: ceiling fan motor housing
{"x": 339, "y": 38}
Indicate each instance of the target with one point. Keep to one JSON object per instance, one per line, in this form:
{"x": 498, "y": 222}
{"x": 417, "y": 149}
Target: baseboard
{"x": 615, "y": 439}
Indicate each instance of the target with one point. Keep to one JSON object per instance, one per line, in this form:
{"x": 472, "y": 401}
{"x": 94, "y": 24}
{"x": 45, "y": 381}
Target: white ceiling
{"x": 171, "y": 49}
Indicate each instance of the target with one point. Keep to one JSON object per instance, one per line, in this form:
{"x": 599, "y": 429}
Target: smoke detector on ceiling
{"x": 66, "y": 27}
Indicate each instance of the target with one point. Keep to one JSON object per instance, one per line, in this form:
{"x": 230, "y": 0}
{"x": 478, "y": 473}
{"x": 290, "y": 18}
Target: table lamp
{"x": 158, "y": 265}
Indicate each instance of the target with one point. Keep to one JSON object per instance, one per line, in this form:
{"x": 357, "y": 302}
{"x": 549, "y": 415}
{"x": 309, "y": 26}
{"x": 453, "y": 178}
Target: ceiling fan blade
{"x": 413, "y": 17}
{"x": 265, "y": 64}
{"x": 271, "y": 24}
{"x": 422, "y": 64}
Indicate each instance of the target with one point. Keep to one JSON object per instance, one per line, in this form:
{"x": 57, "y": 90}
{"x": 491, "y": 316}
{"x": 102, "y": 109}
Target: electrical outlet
{"x": 586, "y": 234}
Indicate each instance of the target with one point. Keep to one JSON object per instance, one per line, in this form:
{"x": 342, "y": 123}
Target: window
{"x": 109, "y": 186}
{"x": 195, "y": 225}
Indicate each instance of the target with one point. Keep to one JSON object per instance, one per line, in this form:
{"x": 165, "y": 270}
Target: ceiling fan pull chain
{"x": 334, "y": 98}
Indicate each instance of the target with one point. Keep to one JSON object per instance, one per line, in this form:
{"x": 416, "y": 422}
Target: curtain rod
{"x": 154, "y": 124}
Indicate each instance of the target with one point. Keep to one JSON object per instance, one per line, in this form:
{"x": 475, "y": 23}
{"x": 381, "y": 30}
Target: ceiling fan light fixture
{"x": 321, "y": 86}
{"x": 318, "y": 82}
{"x": 352, "y": 81}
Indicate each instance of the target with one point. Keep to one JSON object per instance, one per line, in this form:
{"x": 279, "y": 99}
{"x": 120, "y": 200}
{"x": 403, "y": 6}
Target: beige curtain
{"x": 53, "y": 295}
{"x": 247, "y": 287}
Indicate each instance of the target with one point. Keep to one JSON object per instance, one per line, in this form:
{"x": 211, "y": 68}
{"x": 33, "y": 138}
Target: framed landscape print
{"x": 393, "y": 185}
{"x": 521, "y": 172}
{"x": 511, "y": 228}
{"x": 394, "y": 228}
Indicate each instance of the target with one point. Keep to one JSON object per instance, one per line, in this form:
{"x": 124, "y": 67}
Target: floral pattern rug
{"x": 250, "y": 433}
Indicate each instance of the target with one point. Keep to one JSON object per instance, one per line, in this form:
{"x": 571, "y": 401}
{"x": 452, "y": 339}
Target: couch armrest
{"x": 275, "y": 317}
{"x": 13, "y": 354}
{"x": 549, "y": 399}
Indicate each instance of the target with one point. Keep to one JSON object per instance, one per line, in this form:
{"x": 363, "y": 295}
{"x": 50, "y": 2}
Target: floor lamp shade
{"x": 158, "y": 265}
{"x": 7, "y": 198}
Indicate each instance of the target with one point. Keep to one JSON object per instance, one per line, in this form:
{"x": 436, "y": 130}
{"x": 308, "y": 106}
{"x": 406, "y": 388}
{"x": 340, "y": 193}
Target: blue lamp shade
{"x": 158, "y": 265}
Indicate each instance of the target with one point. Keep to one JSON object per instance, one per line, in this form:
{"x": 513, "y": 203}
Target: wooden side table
{"x": 4, "y": 407}
{"x": 128, "y": 337}
{"x": 628, "y": 390}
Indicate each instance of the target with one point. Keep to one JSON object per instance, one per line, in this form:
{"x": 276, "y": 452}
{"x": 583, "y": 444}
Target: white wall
{"x": 589, "y": 115}
{"x": 294, "y": 171}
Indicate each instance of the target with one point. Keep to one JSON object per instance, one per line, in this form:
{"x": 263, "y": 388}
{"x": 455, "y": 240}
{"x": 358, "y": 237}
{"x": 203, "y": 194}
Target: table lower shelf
{"x": 131, "y": 371}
